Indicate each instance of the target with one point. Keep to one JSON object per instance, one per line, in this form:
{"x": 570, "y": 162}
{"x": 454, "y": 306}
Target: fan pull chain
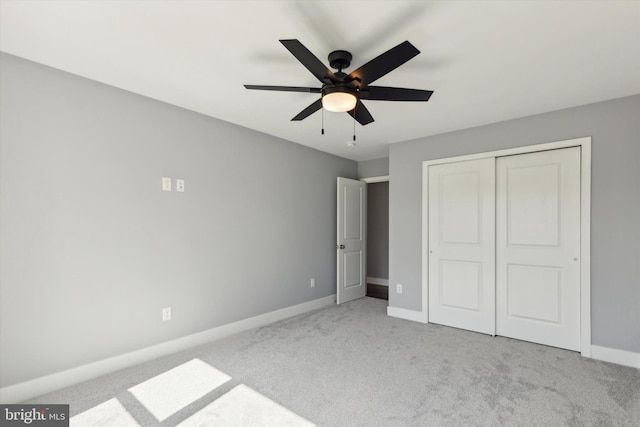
{"x": 322, "y": 121}
{"x": 354, "y": 122}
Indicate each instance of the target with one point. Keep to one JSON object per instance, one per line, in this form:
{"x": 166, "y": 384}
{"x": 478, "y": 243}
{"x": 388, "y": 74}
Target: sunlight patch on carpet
{"x": 243, "y": 406}
{"x": 167, "y": 393}
{"x": 108, "y": 414}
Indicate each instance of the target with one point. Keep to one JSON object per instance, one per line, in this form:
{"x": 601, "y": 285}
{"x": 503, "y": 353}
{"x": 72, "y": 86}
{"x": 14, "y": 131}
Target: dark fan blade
{"x": 309, "y": 60}
{"x": 285, "y": 88}
{"x": 383, "y": 93}
{"x": 362, "y": 115}
{"x": 388, "y": 61}
{"x": 308, "y": 111}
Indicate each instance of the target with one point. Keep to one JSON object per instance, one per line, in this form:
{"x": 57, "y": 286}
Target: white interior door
{"x": 462, "y": 245}
{"x": 538, "y": 247}
{"x": 351, "y": 240}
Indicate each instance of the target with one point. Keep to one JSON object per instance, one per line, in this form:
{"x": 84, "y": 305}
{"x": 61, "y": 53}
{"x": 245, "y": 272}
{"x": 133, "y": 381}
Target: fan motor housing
{"x": 328, "y": 89}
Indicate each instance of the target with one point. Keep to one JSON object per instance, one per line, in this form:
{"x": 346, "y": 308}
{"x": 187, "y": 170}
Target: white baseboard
{"x": 403, "y": 313}
{"x": 612, "y": 355}
{"x": 19, "y": 392}
{"x": 378, "y": 281}
{"x": 621, "y": 357}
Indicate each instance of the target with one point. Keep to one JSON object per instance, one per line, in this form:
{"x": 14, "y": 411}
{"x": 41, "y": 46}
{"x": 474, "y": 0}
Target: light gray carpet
{"x": 351, "y": 365}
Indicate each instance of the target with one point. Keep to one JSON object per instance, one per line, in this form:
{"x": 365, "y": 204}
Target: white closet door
{"x": 537, "y": 247}
{"x": 462, "y": 245}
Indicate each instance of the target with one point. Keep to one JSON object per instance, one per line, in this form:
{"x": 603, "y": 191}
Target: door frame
{"x": 585, "y": 224}
{"x": 369, "y": 180}
{"x": 375, "y": 179}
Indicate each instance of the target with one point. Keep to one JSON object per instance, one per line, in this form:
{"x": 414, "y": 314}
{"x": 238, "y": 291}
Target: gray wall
{"x": 615, "y": 211}
{"x": 91, "y": 248}
{"x": 378, "y": 230}
{"x": 375, "y": 167}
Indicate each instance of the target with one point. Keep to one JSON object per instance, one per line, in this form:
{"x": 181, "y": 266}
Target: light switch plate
{"x": 166, "y": 183}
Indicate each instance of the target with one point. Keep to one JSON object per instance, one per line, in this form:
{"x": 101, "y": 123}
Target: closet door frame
{"x": 585, "y": 224}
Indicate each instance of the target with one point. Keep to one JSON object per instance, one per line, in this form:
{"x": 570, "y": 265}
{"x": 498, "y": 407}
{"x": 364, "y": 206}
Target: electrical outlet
{"x": 313, "y": 282}
{"x": 398, "y": 288}
{"x": 166, "y": 314}
{"x": 180, "y": 185}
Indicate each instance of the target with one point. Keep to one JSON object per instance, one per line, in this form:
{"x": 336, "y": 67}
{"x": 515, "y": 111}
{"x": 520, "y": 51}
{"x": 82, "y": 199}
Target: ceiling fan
{"x": 343, "y": 92}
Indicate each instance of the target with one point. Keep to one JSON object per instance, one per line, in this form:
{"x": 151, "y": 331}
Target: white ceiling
{"x": 486, "y": 61}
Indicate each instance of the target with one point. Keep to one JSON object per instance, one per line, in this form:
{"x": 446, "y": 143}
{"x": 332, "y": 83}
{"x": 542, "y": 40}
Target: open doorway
{"x": 378, "y": 237}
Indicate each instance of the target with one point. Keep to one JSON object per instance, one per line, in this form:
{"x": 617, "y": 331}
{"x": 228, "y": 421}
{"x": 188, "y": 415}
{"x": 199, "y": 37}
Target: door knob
{"x": 339, "y": 246}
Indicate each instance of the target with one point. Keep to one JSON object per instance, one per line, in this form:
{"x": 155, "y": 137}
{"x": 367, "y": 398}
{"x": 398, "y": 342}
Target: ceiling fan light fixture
{"x": 339, "y": 99}
{"x": 341, "y": 92}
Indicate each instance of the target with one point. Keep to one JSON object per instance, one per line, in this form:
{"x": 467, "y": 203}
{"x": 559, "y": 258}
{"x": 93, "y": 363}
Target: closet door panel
{"x": 461, "y": 245}
{"x": 537, "y": 247}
